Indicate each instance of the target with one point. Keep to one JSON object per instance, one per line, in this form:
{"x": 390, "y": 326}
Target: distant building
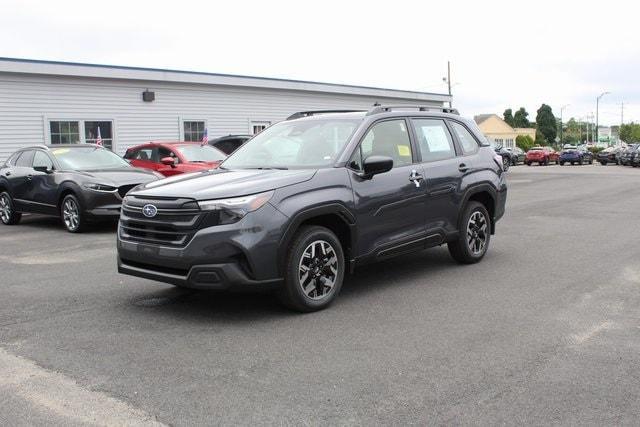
{"x": 492, "y": 126}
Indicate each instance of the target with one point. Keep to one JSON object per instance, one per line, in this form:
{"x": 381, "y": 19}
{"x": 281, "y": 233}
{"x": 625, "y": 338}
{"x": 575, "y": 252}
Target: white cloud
{"x": 503, "y": 53}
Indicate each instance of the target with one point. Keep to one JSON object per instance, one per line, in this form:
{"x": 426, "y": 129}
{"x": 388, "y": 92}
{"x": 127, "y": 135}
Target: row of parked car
{"x": 543, "y": 156}
{"x": 91, "y": 181}
{"x": 625, "y": 156}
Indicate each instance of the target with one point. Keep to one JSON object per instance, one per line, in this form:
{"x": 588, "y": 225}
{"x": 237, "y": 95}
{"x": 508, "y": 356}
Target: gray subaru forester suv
{"x": 315, "y": 196}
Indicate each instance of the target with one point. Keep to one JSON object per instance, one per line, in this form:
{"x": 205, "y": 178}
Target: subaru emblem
{"x": 149, "y": 211}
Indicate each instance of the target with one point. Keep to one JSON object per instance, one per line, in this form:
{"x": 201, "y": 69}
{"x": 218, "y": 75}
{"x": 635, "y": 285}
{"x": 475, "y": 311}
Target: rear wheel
{"x": 314, "y": 270}
{"x": 561, "y": 163}
{"x": 603, "y": 163}
{"x": 474, "y": 233}
{"x": 8, "y": 215}
{"x": 580, "y": 162}
{"x": 72, "y": 215}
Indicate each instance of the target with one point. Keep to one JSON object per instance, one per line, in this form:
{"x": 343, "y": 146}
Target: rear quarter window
{"x": 468, "y": 142}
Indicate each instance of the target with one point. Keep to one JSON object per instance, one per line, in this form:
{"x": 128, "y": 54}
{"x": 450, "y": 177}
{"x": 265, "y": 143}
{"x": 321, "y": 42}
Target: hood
{"x": 221, "y": 183}
{"x": 120, "y": 176}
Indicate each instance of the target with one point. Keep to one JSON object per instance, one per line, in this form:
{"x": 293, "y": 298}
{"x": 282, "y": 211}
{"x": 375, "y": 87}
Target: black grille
{"x": 124, "y": 189}
{"x": 175, "y": 223}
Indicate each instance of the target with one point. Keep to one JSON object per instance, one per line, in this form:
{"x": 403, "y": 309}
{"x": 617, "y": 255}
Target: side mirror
{"x": 43, "y": 169}
{"x": 374, "y": 165}
{"x": 169, "y": 161}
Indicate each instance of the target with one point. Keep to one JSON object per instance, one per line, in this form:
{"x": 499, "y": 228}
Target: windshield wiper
{"x": 271, "y": 168}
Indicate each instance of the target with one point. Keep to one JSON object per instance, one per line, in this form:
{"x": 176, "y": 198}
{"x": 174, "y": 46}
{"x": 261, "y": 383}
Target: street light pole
{"x": 448, "y": 80}
{"x": 597, "y": 114}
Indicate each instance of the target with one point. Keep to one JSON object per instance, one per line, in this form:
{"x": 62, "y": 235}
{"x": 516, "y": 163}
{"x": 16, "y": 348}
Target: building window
{"x": 257, "y": 127}
{"x": 104, "y": 128}
{"x": 194, "y": 130}
{"x": 67, "y": 132}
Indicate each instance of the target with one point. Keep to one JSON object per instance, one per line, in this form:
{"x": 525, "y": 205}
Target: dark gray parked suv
{"x": 313, "y": 197}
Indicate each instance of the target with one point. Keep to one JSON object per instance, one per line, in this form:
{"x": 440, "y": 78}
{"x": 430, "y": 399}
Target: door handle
{"x": 415, "y": 177}
{"x": 462, "y": 167}
{"x": 29, "y": 177}
{"x": 8, "y": 173}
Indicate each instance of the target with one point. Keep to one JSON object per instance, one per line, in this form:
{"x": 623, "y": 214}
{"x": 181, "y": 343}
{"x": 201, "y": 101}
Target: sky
{"x": 503, "y": 54}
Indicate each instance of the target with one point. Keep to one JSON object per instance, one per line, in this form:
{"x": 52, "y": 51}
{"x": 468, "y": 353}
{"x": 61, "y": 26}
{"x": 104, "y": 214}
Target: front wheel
{"x": 474, "y": 233}
{"x": 561, "y": 163}
{"x": 603, "y": 163}
{"x": 314, "y": 270}
{"x": 8, "y": 215}
{"x": 505, "y": 164}
{"x": 72, "y": 215}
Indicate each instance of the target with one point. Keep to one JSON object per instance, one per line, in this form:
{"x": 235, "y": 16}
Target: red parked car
{"x": 173, "y": 158}
{"x": 541, "y": 155}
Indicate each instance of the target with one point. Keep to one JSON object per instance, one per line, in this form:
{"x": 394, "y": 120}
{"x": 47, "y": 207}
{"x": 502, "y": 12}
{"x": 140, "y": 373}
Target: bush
{"x": 595, "y": 150}
{"x": 525, "y": 142}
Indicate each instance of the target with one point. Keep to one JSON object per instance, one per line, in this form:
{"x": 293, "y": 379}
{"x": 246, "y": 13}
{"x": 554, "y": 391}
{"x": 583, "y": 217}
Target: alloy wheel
{"x": 70, "y": 214}
{"x": 5, "y": 208}
{"x": 318, "y": 269}
{"x": 477, "y": 233}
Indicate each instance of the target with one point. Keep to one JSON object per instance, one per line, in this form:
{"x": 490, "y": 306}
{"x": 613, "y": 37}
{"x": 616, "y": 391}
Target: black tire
{"x": 514, "y": 162}
{"x": 603, "y": 163}
{"x": 573, "y": 163}
{"x": 460, "y": 249}
{"x": 528, "y": 163}
{"x": 72, "y": 214}
{"x": 8, "y": 215}
{"x": 591, "y": 161}
{"x": 505, "y": 164}
{"x": 580, "y": 162}
{"x": 292, "y": 294}
{"x": 561, "y": 163}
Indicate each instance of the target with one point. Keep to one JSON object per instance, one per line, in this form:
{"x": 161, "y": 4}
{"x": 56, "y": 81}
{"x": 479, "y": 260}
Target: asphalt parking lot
{"x": 545, "y": 330}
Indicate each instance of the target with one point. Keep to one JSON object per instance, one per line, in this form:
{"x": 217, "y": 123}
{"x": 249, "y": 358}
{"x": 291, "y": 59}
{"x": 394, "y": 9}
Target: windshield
{"x": 295, "y": 144}
{"x": 200, "y": 153}
{"x": 85, "y": 158}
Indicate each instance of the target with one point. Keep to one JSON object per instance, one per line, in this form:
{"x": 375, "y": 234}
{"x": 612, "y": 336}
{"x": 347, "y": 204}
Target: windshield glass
{"x": 200, "y": 153}
{"x": 295, "y": 144}
{"x": 85, "y": 158}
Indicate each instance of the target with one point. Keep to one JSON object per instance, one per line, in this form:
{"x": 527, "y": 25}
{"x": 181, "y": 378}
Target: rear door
{"x": 20, "y": 179}
{"x": 390, "y": 206}
{"x": 441, "y": 166}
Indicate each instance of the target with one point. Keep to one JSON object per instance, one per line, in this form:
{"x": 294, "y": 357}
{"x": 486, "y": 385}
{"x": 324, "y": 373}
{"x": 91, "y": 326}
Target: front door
{"x": 389, "y": 206}
{"x": 43, "y": 189}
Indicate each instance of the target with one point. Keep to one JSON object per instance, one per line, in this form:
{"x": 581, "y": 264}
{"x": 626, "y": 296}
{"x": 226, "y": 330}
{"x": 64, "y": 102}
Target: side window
{"x": 26, "y": 159}
{"x": 434, "y": 139}
{"x": 11, "y": 161}
{"x": 41, "y": 159}
{"x": 467, "y": 141}
{"x": 389, "y": 138}
{"x": 142, "y": 154}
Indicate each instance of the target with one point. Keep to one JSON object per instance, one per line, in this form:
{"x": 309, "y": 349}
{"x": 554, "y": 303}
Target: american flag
{"x": 205, "y": 137}
{"x": 99, "y": 138}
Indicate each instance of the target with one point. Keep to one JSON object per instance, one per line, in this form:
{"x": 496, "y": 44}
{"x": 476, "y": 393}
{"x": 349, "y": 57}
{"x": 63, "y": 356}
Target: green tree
{"x": 546, "y": 124}
{"x": 630, "y": 132}
{"x": 508, "y": 117}
{"x": 520, "y": 119}
{"x": 525, "y": 142}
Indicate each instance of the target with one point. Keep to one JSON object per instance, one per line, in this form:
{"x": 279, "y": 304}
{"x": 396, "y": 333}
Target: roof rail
{"x": 387, "y": 108}
{"x": 301, "y": 114}
{"x": 38, "y": 146}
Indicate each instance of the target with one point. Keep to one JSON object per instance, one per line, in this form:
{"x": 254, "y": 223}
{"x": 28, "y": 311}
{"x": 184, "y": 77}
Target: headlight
{"x": 233, "y": 210}
{"x": 100, "y": 187}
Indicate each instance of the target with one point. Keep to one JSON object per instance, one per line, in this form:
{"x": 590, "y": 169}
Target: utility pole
{"x": 561, "y": 110}
{"x": 448, "y": 80}
{"x": 597, "y": 118}
{"x": 621, "y": 113}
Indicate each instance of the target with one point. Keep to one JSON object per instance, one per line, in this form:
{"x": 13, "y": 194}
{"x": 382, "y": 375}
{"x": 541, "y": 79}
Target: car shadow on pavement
{"x": 386, "y": 276}
{"x": 43, "y": 222}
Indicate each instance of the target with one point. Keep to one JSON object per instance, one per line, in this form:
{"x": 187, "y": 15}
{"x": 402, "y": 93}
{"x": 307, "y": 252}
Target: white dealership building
{"x": 44, "y": 102}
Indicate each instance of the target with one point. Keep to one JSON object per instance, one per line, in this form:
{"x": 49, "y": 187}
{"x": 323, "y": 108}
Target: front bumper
{"x": 243, "y": 254}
